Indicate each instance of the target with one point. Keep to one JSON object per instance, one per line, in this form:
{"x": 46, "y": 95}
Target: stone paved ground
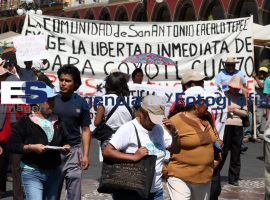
{"x": 251, "y": 186}
{"x": 249, "y": 189}
{"x": 252, "y": 189}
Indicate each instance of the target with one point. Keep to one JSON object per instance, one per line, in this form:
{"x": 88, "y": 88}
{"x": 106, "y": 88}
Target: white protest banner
{"x": 97, "y": 47}
{"x": 96, "y": 87}
{"x": 32, "y": 47}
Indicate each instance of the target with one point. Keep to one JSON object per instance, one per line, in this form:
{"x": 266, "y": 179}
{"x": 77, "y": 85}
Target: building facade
{"x": 146, "y": 10}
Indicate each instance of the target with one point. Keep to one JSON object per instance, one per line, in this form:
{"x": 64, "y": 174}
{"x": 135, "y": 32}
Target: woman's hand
{"x": 216, "y": 163}
{"x": 220, "y": 142}
{"x": 140, "y": 153}
{"x": 37, "y": 148}
{"x": 168, "y": 124}
{"x": 66, "y": 149}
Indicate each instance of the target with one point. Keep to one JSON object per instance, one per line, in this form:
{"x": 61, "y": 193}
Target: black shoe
{"x": 234, "y": 183}
{"x": 243, "y": 148}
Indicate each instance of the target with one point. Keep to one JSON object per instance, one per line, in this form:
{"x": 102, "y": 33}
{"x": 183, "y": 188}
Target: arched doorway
{"x": 246, "y": 8}
{"x": 105, "y": 15}
{"x": 212, "y": 10}
{"x": 90, "y": 15}
{"x": 243, "y": 8}
{"x": 5, "y": 28}
{"x": 266, "y": 12}
{"x": 161, "y": 13}
{"x": 76, "y": 15}
{"x": 20, "y": 28}
{"x": 121, "y": 14}
{"x": 185, "y": 11}
{"x": 139, "y": 14}
{"x": 13, "y": 26}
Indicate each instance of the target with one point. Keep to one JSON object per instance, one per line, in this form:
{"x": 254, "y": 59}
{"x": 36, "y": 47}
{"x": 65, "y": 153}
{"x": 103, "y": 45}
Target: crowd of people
{"x": 50, "y": 146}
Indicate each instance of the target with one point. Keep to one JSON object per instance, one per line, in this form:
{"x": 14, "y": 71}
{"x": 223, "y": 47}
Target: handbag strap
{"x": 129, "y": 109}
{"x": 137, "y": 135}
{"x": 115, "y": 107}
{"x": 111, "y": 112}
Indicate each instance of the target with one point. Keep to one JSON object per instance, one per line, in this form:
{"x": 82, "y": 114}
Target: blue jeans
{"x": 40, "y": 184}
{"x": 248, "y": 131}
{"x": 158, "y": 195}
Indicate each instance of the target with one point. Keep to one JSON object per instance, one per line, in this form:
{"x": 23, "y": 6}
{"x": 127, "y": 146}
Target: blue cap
{"x": 50, "y": 92}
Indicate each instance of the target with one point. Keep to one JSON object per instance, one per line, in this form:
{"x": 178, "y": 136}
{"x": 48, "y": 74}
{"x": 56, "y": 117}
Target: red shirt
{"x": 6, "y": 130}
{"x": 180, "y": 102}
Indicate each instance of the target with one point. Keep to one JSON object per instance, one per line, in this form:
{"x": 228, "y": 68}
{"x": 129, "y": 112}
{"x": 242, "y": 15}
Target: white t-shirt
{"x": 120, "y": 116}
{"x": 156, "y": 141}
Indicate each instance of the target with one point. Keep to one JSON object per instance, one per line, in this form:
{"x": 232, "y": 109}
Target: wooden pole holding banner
{"x": 254, "y": 91}
{"x": 254, "y": 119}
{"x": 254, "y": 108}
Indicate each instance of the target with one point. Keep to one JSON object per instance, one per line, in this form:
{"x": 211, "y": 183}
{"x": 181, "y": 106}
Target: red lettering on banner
{"x": 88, "y": 84}
{"x": 250, "y": 82}
{"x": 52, "y": 77}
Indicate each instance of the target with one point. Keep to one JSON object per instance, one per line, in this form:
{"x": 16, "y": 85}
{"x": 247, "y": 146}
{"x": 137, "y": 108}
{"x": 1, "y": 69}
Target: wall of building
{"x": 168, "y": 10}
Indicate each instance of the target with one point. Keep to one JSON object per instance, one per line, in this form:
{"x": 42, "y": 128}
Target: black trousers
{"x": 3, "y": 167}
{"x": 233, "y": 136}
{"x": 215, "y": 185}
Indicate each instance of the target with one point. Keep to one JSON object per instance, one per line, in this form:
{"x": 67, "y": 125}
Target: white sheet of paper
{"x": 31, "y": 47}
{"x": 53, "y": 147}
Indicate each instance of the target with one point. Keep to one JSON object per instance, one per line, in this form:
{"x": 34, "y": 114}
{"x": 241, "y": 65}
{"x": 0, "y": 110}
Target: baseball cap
{"x": 192, "y": 75}
{"x": 151, "y": 104}
{"x": 195, "y": 92}
{"x": 263, "y": 69}
{"x": 230, "y": 60}
{"x": 50, "y": 92}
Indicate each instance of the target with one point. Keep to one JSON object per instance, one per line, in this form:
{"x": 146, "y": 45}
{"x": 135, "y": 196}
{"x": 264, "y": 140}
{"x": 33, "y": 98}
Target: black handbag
{"x": 245, "y": 121}
{"x": 103, "y": 132}
{"x": 117, "y": 177}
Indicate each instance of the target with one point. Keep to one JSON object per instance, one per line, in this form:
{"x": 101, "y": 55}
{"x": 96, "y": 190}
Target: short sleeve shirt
{"x": 266, "y": 89}
{"x": 156, "y": 141}
{"x": 74, "y": 117}
{"x": 223, "y": 79}
{"x": 120, "y": 116}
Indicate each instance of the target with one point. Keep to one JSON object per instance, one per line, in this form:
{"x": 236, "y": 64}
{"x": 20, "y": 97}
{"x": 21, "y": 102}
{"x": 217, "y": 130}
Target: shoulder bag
{"x": 117, "y": 177}
{"x": 104, "y": 132}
